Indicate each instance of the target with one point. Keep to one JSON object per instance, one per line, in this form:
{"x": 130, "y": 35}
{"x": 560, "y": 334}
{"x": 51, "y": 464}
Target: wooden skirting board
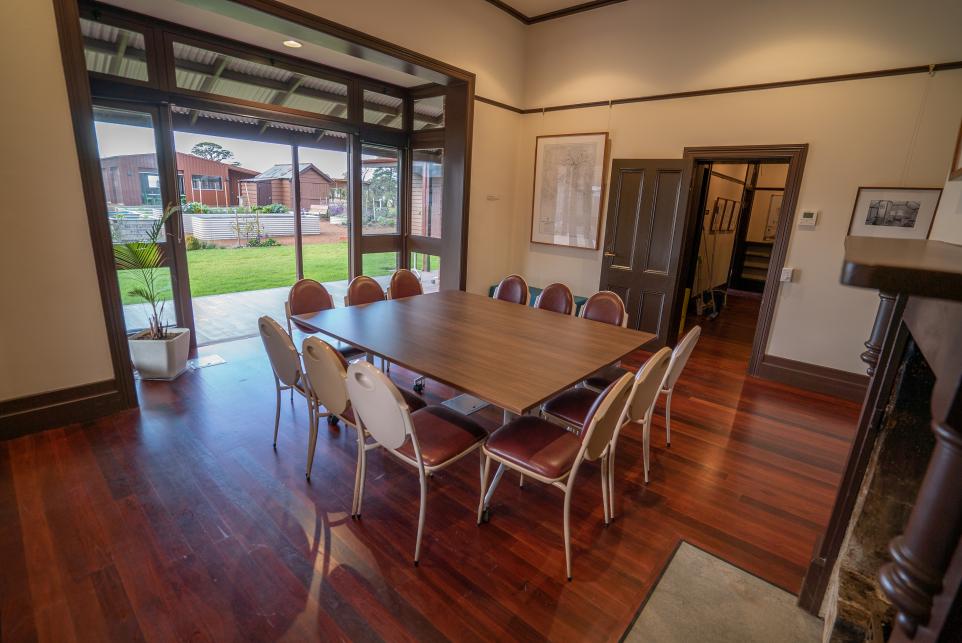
{"x": 35, "y": 413}
{"x": 811, "y": 377}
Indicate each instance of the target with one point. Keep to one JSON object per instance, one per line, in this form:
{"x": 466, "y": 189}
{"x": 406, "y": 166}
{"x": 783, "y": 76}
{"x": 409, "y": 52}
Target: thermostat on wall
{"x": 808, "y": 219}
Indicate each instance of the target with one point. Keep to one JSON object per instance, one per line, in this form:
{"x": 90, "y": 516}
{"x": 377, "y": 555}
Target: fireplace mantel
{"x": 920, "y": 285}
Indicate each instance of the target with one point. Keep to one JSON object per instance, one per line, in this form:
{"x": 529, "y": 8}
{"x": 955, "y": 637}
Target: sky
{"x": 116, "y": 140}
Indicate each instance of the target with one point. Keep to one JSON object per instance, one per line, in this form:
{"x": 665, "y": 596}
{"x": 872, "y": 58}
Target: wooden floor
{"x": 180, "y": 522}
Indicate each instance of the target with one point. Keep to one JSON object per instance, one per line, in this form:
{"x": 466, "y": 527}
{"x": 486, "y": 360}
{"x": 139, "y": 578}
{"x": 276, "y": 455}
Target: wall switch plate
{"x": 788, "y": 274}
{"x": 808, "y": 219}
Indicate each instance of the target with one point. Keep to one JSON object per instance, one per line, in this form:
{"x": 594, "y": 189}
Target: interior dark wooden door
{"x": 647, "y": 205}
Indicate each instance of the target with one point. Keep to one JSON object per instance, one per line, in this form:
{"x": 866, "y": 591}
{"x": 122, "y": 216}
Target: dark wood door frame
{"x": 795, "y": 156}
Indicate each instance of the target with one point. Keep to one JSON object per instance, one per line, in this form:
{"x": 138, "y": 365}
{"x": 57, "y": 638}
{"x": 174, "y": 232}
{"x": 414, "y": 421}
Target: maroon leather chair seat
{"x": 405, "y": 283}
{"x": 572, "y": 406}
{"x": 537, "y": 445}
{"x": 606, "y": 307}
{"x": 442, "y": 434}
{"x": 600, "y": 380}
{"x": 557, "y": 298}
{"x": 363, "y": 290}
{"x": 512, "y": 288}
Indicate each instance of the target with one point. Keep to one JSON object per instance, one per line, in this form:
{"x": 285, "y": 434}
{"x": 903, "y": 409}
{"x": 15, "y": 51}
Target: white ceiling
{"x": 533, "y": 8}
{"x": 189, "y": 15}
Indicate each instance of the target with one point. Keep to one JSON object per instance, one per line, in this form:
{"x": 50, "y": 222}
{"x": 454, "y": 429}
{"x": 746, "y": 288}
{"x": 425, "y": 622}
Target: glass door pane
{"x": 238, "y": 223}
{"x": 429, "y": 268}
{"x": 427, "y": 191}
{"x": 128, "y": 163}
{"x": 325, "y": 218}
{"x": 380, "y": 198}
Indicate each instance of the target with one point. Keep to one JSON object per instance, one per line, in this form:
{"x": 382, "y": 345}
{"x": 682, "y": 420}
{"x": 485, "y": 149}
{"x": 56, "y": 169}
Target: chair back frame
{"x": 281, "y": 352}
{"x": 379, "y": 407}
{"x": 679, "y": 357}
{"x": 605, "y": 294}
{"x": 326, "y": 371}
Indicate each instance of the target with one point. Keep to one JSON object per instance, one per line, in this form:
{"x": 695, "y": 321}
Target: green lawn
{"x": 214, "y": 272}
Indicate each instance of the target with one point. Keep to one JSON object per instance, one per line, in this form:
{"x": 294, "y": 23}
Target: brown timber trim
{"x": 818, "y": 80}
{"x": 516, "y": 110}
{"x": 795, "y": 155}
{"x": 811, "y": 377}
{"x": 83, "y": 403}
{"x": 551, "y": 15}
{"x": 95, "y": 201}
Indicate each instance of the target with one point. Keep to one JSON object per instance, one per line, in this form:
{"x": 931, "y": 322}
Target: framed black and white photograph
{"x": 896, "y": 213}
{"x": 569, "y": 179}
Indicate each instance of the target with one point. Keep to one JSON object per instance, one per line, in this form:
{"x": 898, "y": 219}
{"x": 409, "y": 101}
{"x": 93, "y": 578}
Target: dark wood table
{"x": 514, "y": 357}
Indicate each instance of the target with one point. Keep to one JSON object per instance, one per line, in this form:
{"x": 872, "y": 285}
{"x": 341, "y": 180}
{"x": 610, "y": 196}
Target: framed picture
{"x": 897, "y": 213}
{"x": 733, "y": 219}
{"x": 955, "y": 173}
{"x": 771, "y": 221}
{"x": 569, "y": 181}
{"x": 716, "y": 215}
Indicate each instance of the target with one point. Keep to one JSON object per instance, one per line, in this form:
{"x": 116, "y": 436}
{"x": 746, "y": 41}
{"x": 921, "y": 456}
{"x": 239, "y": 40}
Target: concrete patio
{"x": 220, "y": 318}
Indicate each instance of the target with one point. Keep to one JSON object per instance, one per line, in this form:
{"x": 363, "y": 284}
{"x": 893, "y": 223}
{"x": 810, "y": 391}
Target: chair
{"x": 550, "y": 454}
{"x": 363, "y": 290}
{"x": 326, "y": 371}
{"x": 679, "y": 358}
{"x": 428, "y": 439}
{"x": 557, "y": 298}
{"x": 286, "y": 364}
{"x": 404, "y": 283}
{"x": 512, "y": 288}
{"x": 309, "y": 296}
{"x": 606, "y": 307}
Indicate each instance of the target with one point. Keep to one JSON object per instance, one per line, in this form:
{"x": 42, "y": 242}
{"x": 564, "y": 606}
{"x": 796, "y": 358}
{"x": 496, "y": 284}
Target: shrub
{"x": 273, "y": 208}
{"x": 195, "y": 207}
{"x": 258, "y": 242}
{"x": 193, "y": 243}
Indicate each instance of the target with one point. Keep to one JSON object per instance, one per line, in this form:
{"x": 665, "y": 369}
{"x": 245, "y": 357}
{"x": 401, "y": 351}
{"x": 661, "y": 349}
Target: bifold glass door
{"x": 127, "y": 142}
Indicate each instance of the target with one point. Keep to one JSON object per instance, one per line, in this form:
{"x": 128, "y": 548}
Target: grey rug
{"x": 702, "y": 598}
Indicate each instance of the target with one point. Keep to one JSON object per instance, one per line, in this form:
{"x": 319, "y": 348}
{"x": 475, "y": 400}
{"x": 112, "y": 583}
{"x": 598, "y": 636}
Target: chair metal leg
{"x": 360, "y": 492}
{"x": 485, "y": 469}
{"x": 521, "y": 480}
{"x": 358, "y": 474}
{"x": 277, "y": 410}
{"x": 567, "y": 530}
{"x": 646, "y": 442}
{"x": 668, "y": 418}
{"x": 314, "y": 413}
{"x": 605, "y": 497}
{"x": 424, "y": 499}
{"x": 494, "y": 485}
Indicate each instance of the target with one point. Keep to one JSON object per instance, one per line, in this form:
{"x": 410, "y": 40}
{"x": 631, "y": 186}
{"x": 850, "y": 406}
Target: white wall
{"x": 716, "y": 248}
{"x": 948, "y": 219}
{"x": 886, "y": 131}
{"x": 52, "y": 332}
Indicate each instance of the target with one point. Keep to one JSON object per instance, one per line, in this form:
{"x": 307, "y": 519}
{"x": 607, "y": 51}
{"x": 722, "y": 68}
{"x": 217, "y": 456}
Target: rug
{"x": 700, "y": 597}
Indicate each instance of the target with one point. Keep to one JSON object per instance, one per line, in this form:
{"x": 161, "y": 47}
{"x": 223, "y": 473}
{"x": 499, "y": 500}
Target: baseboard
{"x": 34, "y": 413}
{"x": 811, "y": 377}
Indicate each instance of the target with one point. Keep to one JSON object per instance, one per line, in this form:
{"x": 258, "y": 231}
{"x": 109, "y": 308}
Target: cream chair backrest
{"x": 280, "y": 351}
{"x": 327, "y": 373}
{"x": 604, "y": 415}
{"x": 680, "y": 355}
{"x": 647, "y": 384}
{"x": 378, "y": 404}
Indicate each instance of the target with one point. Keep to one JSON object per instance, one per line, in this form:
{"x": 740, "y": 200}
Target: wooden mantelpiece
{"x": 924, "y": 280}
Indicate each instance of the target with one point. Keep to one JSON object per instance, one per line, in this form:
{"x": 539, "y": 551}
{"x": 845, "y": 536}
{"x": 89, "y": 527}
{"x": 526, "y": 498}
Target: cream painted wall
{"x": 53, "y": 334}
{"x": 948, "y": 218}
{"x": 886, "y": 131}
{"x": 643, "y": 47}
{"x": 715, "y": 249}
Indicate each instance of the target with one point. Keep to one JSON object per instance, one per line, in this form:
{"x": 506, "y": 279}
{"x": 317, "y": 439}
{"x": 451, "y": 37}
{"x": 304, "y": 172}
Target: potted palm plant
{"x": 158, "y": 352}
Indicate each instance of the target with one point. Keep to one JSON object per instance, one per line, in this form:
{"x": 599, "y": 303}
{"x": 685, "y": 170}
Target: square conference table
{"x": 514, "y": 357}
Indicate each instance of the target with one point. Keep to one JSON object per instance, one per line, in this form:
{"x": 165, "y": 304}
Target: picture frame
{"x": 774, "y": 211}
{"x": 894, "y": 213}
{"x": 733, "y": 219}
{"x": 955, "y": 172}
{"x": 570, "y": 177}
{"x": 716, "y": 215}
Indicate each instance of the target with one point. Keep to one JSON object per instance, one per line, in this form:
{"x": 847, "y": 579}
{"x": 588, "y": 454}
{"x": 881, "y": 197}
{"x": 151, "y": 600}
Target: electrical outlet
{"x": 788, "y": 275}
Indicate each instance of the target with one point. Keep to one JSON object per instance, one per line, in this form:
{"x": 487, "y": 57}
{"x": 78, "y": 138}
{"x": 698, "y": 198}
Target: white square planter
{"x": 160, "y": 359}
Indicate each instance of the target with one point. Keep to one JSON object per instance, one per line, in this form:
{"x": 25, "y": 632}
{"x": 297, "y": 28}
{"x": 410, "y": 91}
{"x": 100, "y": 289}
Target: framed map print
{"x": 569, "y": 181}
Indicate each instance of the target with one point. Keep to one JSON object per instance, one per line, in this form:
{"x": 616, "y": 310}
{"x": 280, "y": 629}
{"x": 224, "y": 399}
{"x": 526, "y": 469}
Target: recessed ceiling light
{"x": 293, "y": 44}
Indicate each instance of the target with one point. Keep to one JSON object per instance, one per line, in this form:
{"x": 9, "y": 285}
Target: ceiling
{"x": 532, "y": 11}
{"x": 191, "y": 13}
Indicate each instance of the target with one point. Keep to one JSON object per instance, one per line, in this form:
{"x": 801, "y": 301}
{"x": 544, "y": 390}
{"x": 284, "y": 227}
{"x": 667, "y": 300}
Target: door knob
{"x": 608, "y": 253}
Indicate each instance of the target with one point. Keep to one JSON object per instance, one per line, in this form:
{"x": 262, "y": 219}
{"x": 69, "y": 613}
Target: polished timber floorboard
{"x": 180, "y": 522}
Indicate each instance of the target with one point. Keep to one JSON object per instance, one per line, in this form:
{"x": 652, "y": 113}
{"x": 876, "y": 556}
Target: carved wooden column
{"x": 922, "y": 554}
{"x": 873, "y": 347}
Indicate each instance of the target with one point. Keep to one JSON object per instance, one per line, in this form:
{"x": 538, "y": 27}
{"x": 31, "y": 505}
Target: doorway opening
{"x": 739, "y": 223}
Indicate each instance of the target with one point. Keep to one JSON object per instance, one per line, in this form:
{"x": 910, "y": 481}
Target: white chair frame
{"x": 391, "y": 436}
{"x": 291, "y": 375}
{"x": 679, "y": 359}
{"x": 590, "y": 450}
